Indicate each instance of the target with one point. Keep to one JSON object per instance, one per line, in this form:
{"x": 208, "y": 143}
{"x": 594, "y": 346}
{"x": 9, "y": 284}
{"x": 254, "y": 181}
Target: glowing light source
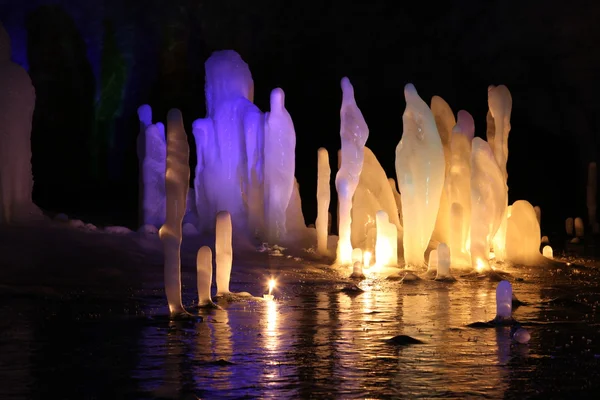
{"x": 547, "y": 252}
{"x": 366, "y": 259}
{"x": 270, "y": 296}
{"x": 480, "y": 265}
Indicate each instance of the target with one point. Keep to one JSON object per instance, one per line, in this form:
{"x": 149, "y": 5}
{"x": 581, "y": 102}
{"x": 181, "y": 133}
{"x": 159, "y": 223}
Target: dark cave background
{"x": 93, "y": 63}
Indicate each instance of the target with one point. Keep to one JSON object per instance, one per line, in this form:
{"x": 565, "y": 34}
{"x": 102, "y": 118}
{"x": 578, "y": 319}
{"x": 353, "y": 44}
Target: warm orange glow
{"x": 272, "y": 283}
{"x": 366, "y": 259}
{"x": 480, "y": 265}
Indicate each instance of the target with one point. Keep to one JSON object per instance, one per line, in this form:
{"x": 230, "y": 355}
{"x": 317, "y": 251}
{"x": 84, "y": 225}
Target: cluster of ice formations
{"x": 451, "y": 196}
{"x": 17, "y": 101}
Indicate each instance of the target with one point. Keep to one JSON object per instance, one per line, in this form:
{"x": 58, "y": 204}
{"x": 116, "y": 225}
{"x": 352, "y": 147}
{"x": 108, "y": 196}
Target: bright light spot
{"x": 492, "y": 255}
{"x": 367, "y": 259}
{"x": 272, "y": 283}
{"x": 548, "y": 252}
{"x": 480, "y": 265}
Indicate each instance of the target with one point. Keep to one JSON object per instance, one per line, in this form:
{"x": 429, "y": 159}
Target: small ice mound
{"x": 410, "y": 277}
{"x": 351, "y": 290}
{"x": 61, "y": 217}
{"x": 357, "y": 271}
{"x": 520, "y": 335}
{"x": 148, "y": 229}
{"x": 76, "y": 223}
{"x": 90, "y": 227}
{"x": 548, "y": 252}
{"x": 234, "y": 296}
{"x": 504, "y": 300}
{"x": 545, "y": 240}
{"x": 117, "y": 230}
{"x": 403, "y": 340}
{"x": 189, "y": 229}
{"x": 443, "y": 264}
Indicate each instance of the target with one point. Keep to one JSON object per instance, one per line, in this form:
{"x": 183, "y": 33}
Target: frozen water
{"x": 569, "y": 226}
{"x": 386, "y": 246}
{"x": 152, "y": 150}
{"x": 459, "y": 188}
{"x": 443, "y": 261}
{"x": 224, "y": 252}
{"x": 579, "y": 228}
{"x": 354, "y": 133}
{"x": 297, "y": 233}
{"x": 17, "y": 101}
{"x": 538, "y": 214}
{"x": 397, "y": 198}
{"x": 488, "y": 200}
{"x": 357, "y": 255}
{"x": 432, "y": 265}
{"x": 279, "y": 155}
{"x": 445, "y": 122}
{"x": 204, "y": 276}
{"x": 503, "y": 301}
{"x": 523, "y": 234}
{"x": 420, "y": 170}
{"x": 254, "y": 122}
{"x": 177, "y": 184}
{"x": 323, "y": 198}
{"x": 548, "y": 252}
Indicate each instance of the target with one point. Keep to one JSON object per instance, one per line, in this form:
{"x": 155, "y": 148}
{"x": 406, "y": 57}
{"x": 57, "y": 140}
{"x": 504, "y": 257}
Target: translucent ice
{"x": 420, "y": 170}
{"x": 177, "y": 184}
{"x": 547, "y": 252}
{"x": 386, "y": 247}
{"x": 357, "y": 255}
{"x": 204, "y": 276}
{"x": 432, "y": 265}
{"x": 579, "y": 228}
{"x": 445, "y": 122}
{"x": 294, "y": 220}
{"x": 397, "y": 197}
{"x": 323, "y": 198}
{"x": 357, "y": 270}
{"x": 443, "y": 261}
{"x": 459, "y": 188}
{"x": 279, "y": 155}
{"x": 523, "y": 234}
{"x": 569, "y": 226}
{"x": 354, "y": 133}
{"x": 224, "y": 252}
{"x": 17, "y": 101}
{"x": 538, "y": 214}
{"x": 153, "y": 158}
{"x": 503, "y": 302}
{"x": 488, "y": 201}
{"x": 203, "y": 131}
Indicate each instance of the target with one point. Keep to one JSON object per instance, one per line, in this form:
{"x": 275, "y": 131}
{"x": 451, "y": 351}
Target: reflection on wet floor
{"x": 318, "y": 342}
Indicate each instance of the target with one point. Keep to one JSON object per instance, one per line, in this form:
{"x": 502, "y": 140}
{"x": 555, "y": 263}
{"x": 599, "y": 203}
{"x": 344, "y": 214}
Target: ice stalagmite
{"x": 503, "y": 302}
{"x": 420, "y": 170}
{"x": 204, "y": 276}
{"x": 152, "y": 180}
{"x": 523, "y": 234}
{"x": 459, "y": 188}
{"x": 444, "y": 120}
{"x": 177, "y": 184}
{"x": 444, "y": 259}
{"x": 372, "y": 194}
{"x": 254, "y": 130}
{"x": 386, "y": 247}
{"x": 397, "y": 197}
{"x": 295, "y": 225}
{"x": 498, "y": 120}
{"x": 354, "y": 133}
{"x": 17, "y": 101}
{"x": 280, "y": 145}
{"x": 488, "y": 201}
{"x": 203, "y": 131}
{"x": 323, "y": 198}
{"x": 223, "y": 252}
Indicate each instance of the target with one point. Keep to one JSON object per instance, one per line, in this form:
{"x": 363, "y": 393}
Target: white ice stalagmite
{"x": 204, "y": 276}
{"x": 548, "y": 252}
{"x": 397, "y": 197}
{"x": 386, "y": 245}
{"x": 503, "y": 302}
{"x": 579, "y": 228}
{"x": 432, "y": 265}
{"x": 488, "y": 201}
{"x": 443, "y": 262}
{"x": 223, "y": 252}
{"x": 177, "y": 184}
{"x": 323, "y": 199}
{"x": 592, "y": 191}
{"x": 279, "y": 156}
{"x": 372, "y": 194}
{"x": 445, "y": 122}
{"x": 420, "y": 170}
{"x": 152, "y": 173}
{"x": 295, "y": 225}
{"x": 459, "y": 189}
{"x": 17, "y": 101}
{"x": 354, "y": 133}
{"x": 498, "y": 120}
{"x": 523, "y": 234}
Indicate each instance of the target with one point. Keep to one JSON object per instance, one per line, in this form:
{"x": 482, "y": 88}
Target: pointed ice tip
{"x": 145, "y": 114}
{"x": 410, "y": 90}
{"x": 347, "y": 88}
{"x": 277, "y": 99}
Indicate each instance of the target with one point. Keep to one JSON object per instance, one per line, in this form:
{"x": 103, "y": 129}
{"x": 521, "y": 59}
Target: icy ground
{"x": 83, "y": 316}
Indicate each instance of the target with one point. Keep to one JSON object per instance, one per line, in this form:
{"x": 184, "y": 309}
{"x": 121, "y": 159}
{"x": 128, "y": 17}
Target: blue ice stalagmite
{"x": 279, "y": 159}
{"x": 152, "y": 155}
{"x": 503, "y": 302}
{"x": 420, "y": 170}
{"x": 488, "y": 200}
{"x": 354, "y": 133}
{"x": 17, "y": 101}
{"x": 177, "y": 184}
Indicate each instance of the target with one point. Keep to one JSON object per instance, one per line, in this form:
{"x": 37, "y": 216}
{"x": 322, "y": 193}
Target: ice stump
{"x": 323, "y": 199}
{"x": 354, "y": 133}
{"x": 523, "y": 235}
{"x": 488, "y": 201}
{"x": 224, "y": 255}
{"x": 279, "y": 156}
{"x": 503, "y": 303}
{"x": 420, "y": 170}
{"x": 177, "y": 184}
{"x": 204, "y": 277}
{"x": 17, "y": 101}
{"x": 443, "y": 262}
